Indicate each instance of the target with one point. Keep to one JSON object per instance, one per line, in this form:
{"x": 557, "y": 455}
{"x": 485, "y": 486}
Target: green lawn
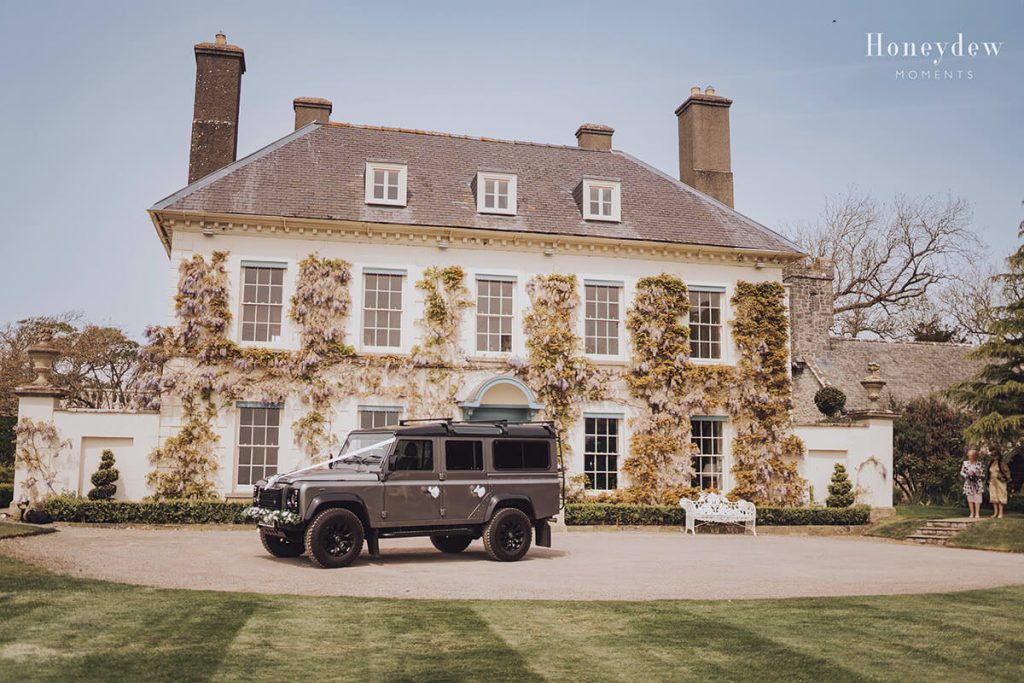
{"x": 59, "y": 628}
{"x": 909, "y": 518}
{"x": 10, "y": 529}
{"x": 1005, "y": 534}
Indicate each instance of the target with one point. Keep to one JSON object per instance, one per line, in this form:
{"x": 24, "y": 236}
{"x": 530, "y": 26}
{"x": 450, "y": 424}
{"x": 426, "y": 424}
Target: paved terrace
{"x": 600, "y": 565}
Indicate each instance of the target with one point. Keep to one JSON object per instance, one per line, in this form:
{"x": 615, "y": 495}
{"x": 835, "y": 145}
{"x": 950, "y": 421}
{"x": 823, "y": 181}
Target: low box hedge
{"x": 72, "y": 509}
{"x": 6, "y": 495}
{"x": 578, "y": 514}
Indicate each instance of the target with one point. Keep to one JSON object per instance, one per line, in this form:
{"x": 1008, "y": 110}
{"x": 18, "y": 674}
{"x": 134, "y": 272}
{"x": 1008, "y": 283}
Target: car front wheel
{"x": 279, "y": 547}
{"x": 334, "y": 538}
{"x": 451, "y": 544}
{"x": 507, "y": 536}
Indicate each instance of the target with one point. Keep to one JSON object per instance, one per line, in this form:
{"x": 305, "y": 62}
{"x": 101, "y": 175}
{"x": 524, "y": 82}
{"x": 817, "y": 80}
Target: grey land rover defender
{"x": 451, "y": 481}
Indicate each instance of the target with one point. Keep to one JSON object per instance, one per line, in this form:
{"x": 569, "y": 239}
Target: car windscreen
{"x": 366, "y": 448}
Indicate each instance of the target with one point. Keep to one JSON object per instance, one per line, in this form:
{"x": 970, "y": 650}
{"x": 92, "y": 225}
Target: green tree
{"x": 840, "y": 491}
{"x": 104, "y": 479}
{"x": 996, "y": 393}
{"x": 928, "y": 447}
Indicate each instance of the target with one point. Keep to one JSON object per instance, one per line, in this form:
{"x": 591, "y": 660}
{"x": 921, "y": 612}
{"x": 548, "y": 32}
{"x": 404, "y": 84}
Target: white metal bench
{"x": 712, "y": 507}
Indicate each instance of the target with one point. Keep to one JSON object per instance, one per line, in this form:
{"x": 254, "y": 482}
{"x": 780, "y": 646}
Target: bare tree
{"x": 889, "y": 255}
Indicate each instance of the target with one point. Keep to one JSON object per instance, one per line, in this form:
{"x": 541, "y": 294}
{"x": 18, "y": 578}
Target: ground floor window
{"x": 258, "y": 440}
{"x": 374, "y": 417}
{"x": 601, "y": 452}
{"x": 706, "y": 433}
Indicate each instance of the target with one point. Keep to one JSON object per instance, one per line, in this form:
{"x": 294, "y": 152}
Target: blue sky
{"x": 98, "y": 104}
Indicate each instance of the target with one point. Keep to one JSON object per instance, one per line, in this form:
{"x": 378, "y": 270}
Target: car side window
{"x": 413, "y": 456}
{"x": 462, "y": 455}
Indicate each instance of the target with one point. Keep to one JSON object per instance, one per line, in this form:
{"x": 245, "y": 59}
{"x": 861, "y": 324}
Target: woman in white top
{"x": 974, "y": 481}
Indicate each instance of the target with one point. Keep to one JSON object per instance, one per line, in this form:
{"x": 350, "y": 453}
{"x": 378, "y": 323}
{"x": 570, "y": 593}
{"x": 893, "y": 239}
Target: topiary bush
{"x": 104, "y": 479}
{"x": 830, "y": 401}
{"x": 618, "y": 514}
{"x": 840, "y": 491}
{"x": 74, "y": 509}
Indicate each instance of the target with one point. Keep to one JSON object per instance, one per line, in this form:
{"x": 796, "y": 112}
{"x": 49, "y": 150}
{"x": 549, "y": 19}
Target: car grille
{"x": 269, "y": 498}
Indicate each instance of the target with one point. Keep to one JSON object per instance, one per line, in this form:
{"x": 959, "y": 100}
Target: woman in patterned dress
{"x": 974, "y": 481}
{"x": 998, "y": 478}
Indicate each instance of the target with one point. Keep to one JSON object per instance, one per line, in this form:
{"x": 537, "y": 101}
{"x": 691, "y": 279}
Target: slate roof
{"x": 910, "y": 370}
{"x": 317, "y": 172}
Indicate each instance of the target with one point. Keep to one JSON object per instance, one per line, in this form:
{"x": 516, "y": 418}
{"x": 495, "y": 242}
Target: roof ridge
{"x": 905, "y": 342}
{"x": 457, "y": 136}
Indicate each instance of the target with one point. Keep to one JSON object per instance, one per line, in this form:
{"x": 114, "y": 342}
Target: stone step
{"x": 939, "y": 533}
{"x": 928, "y": 540}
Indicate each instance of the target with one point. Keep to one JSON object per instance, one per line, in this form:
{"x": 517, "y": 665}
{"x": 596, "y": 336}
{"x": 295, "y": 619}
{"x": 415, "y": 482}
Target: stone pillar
{"x": 38, "y": 400}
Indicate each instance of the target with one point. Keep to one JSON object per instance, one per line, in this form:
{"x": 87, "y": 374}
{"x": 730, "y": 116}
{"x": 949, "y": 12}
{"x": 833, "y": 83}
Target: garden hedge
{"x": 6, "y": 495}
{"x": 577, "y": 514}
{"x": 72, "y": 509}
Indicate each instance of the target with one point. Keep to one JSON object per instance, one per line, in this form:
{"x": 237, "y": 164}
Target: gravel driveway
{"x": 604, "y": 565}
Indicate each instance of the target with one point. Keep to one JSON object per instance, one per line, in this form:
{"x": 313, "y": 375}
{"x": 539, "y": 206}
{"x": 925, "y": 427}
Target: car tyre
{"x": 279, "y": 547}
{"x": 451, "y": 544}
{"x": 508, "y": 535}
{"x": 334, "y": 538}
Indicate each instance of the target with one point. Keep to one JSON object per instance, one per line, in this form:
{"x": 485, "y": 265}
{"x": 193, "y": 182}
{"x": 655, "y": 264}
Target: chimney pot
{"x": 594, "y": 136}
{"x": 310, "y": 109}
{"x": 695, "y": 90}
{"x": 219, "y": 69}
{"x": 705, "y": 161}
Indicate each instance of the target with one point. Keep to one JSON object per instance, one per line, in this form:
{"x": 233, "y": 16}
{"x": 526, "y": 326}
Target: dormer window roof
{"x": 602, "y": 199}
{"x": 386, "y": 183}
{"x": 496, "y": 193}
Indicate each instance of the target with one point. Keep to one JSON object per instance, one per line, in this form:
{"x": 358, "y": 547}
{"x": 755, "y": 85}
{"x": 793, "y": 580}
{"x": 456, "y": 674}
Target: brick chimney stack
{"x": 219, "y": 69}
{"x": 705, "y": 162}
{"x": 310, "y": 109}
{"x": 594, "y": 136}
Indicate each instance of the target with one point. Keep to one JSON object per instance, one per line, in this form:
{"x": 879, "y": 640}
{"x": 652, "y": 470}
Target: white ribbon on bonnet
{"x": 339, "y": 456}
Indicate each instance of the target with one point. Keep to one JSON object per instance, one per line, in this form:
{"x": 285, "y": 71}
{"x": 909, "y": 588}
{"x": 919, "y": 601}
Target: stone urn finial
{"x": 42, "y": 355}
{"x": 873, "y": 382}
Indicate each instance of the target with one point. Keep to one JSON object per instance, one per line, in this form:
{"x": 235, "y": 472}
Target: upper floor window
{"x": 602, "y": 199}
{"x": 262, "y": 301}
{"x": 382, "y": 309}
{"x": 601, "y": 322}
{"x": 376, "y": 417}
{"x": 386, "y": 183}
{"x": 496, "y": 193}
{"x": 494, "y": 314}
{"x": 705, "y": 324}
{"x": 706, "y": 434}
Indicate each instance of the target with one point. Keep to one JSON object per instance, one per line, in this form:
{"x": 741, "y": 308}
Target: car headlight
{"x": 292, "y": 501}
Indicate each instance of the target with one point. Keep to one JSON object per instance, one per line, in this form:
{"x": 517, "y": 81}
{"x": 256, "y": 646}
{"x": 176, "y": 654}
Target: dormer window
{"x": 496, "y": 193}
{"x": 602, "y": 200}
{"x": 386, "y": 183}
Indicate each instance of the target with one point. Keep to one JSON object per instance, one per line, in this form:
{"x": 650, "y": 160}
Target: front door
{"x": 465, "y": 489}
{"x": 412, "y": 491}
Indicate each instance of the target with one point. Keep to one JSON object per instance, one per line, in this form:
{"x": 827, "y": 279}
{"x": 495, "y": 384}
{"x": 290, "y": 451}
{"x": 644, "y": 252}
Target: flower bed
{"x": 71, "y": 509}
{"x": 577, "y": 514}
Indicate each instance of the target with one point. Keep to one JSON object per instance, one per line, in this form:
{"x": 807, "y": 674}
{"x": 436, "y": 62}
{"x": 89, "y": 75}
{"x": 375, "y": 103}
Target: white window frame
{"x": 513, "y": 317}
{"x": 620, "y": 320}
{"x": 272, "y": 342}
{"x": 722, "y": 327}
{"x": 616, "y": 453}
{"x": 378, "y": 410}
{"x": 403, "y": 177}
{"x": 720, "y": 456}
{"x": 401, "y": 311}
{"x": 615, "y": 186}
{"x": 481, "y": 192}
{"x": 252, "y": 444}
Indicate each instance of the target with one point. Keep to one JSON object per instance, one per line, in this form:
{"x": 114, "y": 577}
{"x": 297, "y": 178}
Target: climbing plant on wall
{"x": 555, "y": 366}
{"x": 38, "y": 448}
{"x": 764, "y": 451}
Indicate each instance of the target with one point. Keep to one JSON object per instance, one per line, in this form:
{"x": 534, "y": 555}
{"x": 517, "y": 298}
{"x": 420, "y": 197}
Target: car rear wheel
{"x": 334, "y": 538}
{"x": 507, "y": 536}
{"x": 279, "y": 547}
{"x": 451, "y": 544}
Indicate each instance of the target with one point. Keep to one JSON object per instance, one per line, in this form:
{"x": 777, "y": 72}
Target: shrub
{"x": 577, "y": 514}
{"x": 104, "y": 478}
{"x": 73, "y": 509}
{"x": 6, "y": 495}
{"x": 830, "y": 401}
{"x": 840, "y": 491}
{"x": 927, "y": 449}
